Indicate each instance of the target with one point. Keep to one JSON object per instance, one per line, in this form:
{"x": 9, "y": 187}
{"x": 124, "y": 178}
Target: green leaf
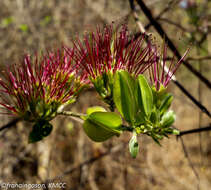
{"x": 155, "y": 116}
{"x": 108, "y": 120}
{"x": 95, "y": 132}
{"x": 124, "y": 95}
{"x": 168, "y": 119}
{"x": 155, "y": 139}
{"x": 100, "y": 126}
{"x": 165, "y": 104}
{"x": 146, "y": 97}
{"x": 40, "y": 130}
{"x": 133, "y": 145}
{"x": 90, "y": 110}
{"x": 175, "y": 132}
{"x": 140, "y": 118}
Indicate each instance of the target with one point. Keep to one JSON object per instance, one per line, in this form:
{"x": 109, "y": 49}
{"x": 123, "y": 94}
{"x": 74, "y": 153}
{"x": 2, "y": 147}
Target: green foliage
{"x": 90, "y": 110}
{"x": 39, "y": 110}
{"x": 167, "y": 119}
{"x": 100, "y": 126}
{"x": 145, "y": 98}
{"x": 133, "y": 145}
{"x": 165, "y": 103}
{"x": 143, "y": 108}
{"x": 40, "y": 130}
{"x": 124, "y": 96}
{"x": 104, "y": 86}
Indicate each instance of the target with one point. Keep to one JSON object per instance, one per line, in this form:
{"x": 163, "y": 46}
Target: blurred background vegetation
{"x": 38, "y": 25}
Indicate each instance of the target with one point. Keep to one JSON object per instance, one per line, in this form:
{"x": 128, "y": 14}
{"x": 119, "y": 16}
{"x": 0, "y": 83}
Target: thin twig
{"x": 143, "y": 30}
{"x": 171, "y": 45}
{"x": 72, "y": 114}
{"x": 196, "y": 102}
{"x": 192, "y": 58}
{"x": 174, "y": 23}
{"x": 197, "y": 130}
{"x": 10, "y": 124}
{"x": 189, "y": 161}
{"x": 165, "y": 10}
{"x": 198, "y": 58}
{"x": 87, "y": 162}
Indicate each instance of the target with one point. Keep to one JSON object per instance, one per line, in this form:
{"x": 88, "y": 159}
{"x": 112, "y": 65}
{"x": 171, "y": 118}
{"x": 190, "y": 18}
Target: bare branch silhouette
{"x": 10, "y": 124}
{"x": 174, "y": 23}
{"x": 180, "y": 86}
{"x": 171, "y": 45}
{"x": 197, "y": 130}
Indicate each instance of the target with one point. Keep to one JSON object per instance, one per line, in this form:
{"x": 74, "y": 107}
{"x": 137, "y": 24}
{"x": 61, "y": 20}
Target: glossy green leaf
{"x": 166, "y": 103}
{"x": 155, "y": 116}
{"x": 124, "y": 95}
{"x": 168, "y": 119}
{"x": 90, "y": 110}
{"x": 100, "y": 126}
{"x": 96, "y": 132}
{"x": 145, "y": 99}
{"x": 108, "y": 120}
{"x": 133, "y": 146}
{"x": 40, "y": 130}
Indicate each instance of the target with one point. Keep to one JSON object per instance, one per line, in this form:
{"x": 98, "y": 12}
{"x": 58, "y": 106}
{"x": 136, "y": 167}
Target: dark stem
{"x": 166, "y": 9}
{"x": 10, "y": 124}
{"x": 203, "y": 108}
{"x": 199, "y": 105}
{"x": 171, "y": 45}
{"x": 112, "y": 107}
{"x": 197, "y": 130}
{"x": 127, "y": 128}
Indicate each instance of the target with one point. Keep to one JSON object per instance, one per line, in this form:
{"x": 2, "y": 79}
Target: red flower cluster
{"x": 111, "y": 50}
{"x": 160, "y": 73}
{"x": 36, "y": 88}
